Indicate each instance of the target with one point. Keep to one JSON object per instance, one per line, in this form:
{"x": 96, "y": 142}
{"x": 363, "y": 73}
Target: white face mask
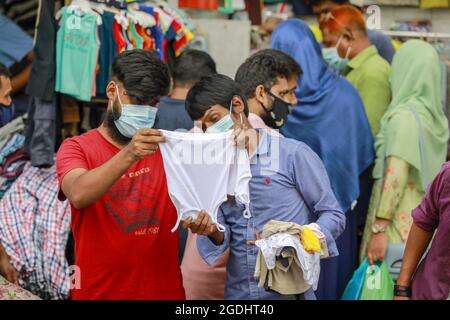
{"x": 134, "y": 117}
{"x": 224, "y": 124}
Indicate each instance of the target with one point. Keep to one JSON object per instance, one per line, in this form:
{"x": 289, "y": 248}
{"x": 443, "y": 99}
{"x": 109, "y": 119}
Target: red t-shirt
{"x": 123, "y": 244}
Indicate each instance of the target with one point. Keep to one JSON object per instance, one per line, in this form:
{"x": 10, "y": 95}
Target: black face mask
{"x": 276, "y": 117}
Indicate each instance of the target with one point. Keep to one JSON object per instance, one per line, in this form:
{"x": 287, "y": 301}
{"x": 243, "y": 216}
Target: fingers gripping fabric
{"x": 201, "y": 170}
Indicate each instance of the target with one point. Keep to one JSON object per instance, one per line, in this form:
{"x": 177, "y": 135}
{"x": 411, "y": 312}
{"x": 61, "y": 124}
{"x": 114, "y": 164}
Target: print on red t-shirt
{"x": 123, "y": 244}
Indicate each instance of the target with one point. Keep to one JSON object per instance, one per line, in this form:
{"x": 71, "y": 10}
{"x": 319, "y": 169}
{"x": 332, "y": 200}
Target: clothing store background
{"x": 48, "y": 109}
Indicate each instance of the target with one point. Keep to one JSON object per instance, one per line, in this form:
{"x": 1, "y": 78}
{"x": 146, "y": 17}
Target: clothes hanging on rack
{"x": 91, "y": 35}
{"x": 108, "y": 49}
{"x": 41, "y": 129}
{"x": 77, "y": 52}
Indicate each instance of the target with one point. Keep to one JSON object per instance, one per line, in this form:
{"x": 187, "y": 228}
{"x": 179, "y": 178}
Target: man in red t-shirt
{"x": 114, "y": 179}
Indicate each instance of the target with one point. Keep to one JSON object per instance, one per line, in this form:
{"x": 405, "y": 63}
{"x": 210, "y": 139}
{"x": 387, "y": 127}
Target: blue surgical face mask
{"x": 223, "y": 125}
{"x": 134, "y": 117}
{"x": 332, "y": 57}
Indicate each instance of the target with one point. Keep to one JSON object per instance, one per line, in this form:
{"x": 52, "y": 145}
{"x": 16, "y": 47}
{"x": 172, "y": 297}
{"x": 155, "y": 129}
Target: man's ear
{"x": 348, "y": 36}
{"x": 111, "y": 90}
{"x": 260, "y": 93}
{"x": 238, "y": 104}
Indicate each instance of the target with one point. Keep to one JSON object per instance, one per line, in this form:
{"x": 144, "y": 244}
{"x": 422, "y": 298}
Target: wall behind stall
{"x": 440, "y": 18}
{"x": 228, "y": 42}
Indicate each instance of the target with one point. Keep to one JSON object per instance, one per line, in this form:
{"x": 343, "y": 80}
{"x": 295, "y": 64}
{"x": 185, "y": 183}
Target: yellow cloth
{"x": 397, "y": 44}
{"x": 317, "y": 33}
{"x": 310, "y": 241}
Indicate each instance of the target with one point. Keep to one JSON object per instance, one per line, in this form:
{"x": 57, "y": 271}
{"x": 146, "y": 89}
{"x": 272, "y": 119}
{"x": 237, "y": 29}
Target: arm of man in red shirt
{"x": 83, "y": 187}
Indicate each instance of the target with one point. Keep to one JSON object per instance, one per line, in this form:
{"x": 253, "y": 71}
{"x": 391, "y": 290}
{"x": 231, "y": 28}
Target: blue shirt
{"x": 172, "y": 115}
{"x": 6, "y": 114}
{"x": 289, "y": 183}
{"x": 383, "y": 44}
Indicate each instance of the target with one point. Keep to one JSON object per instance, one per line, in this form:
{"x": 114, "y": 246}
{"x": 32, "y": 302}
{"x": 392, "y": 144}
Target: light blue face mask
{"x": 223, "y": 125}
{"x": 332, "y": 57}
{"x": 134, "y": 117}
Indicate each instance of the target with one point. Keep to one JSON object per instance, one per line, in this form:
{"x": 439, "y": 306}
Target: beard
{"x": 112, "y": 128}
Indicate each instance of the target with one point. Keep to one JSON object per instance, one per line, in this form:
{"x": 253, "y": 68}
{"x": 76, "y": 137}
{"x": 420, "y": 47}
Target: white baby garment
{"x": 201, "y": 169}
{"x": 272, "y": 246}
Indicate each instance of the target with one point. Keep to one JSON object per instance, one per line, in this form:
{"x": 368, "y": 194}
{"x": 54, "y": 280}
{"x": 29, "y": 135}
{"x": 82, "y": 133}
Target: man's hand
{"x": 8, "y": 271}
{"x": 144, "y": 143}
{"x": 204, "y": 226}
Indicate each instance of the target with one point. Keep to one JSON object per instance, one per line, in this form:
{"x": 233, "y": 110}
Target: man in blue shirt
{"x": 289, "y": 183}
{"x": 6, "y": 105}
{"x": 381, "y": 41}
{"x": 189, "y": 68}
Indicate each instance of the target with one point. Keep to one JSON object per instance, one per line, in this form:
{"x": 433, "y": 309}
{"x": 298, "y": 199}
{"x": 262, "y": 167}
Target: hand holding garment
{"x": 277, "y": 236}
{"x": 201, "y": 170}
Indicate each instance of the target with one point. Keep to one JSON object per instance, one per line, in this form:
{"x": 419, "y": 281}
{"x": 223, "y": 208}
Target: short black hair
{"x": 216, "y": 89}
{"x": 145, "y": 77}
{"x": 264, "y": 68}
{"x": 191, "y": 66}
{"x": 4, "y": 72}
{"x": 317, "y": 2}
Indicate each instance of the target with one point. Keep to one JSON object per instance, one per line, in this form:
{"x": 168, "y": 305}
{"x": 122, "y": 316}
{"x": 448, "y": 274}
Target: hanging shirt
{"x": 369, "y": 73}
{"x": 201, "y": 170}
{"x": 123, "y": 243}
{"x": 289, "y": 183}
{"x": 77, "y": 50}
{"x": 108, "y": 51}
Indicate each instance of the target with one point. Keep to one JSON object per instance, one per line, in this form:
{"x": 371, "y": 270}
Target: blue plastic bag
{"x": 356, "y": 284}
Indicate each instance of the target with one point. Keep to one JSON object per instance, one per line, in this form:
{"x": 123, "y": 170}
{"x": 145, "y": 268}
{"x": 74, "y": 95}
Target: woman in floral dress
{"x": 411, "y": 147}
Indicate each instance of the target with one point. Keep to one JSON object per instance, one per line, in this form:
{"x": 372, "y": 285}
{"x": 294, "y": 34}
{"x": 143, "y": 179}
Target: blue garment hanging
{"x": 156, "y": 33}
{"x": 330, "y": 118}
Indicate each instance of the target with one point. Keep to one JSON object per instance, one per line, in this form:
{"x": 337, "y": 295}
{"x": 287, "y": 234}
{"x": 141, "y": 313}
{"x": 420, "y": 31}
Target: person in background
{"x": 330, "y": 118}
{"x": 382, "y": 42}
{"x": 345, "y": 31}
{"x": 410, "y": 148}
{"x": 269, "y": 80}
{"x": 114, "y": 179}
{"x": 16, "y": 53}
{"x": 289, "y": 183}
{"x": 6, "y": 268}
{"x": 6, "y": 104}
{"x": 189, "y": 68}
{"x": 428, "y": 280}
